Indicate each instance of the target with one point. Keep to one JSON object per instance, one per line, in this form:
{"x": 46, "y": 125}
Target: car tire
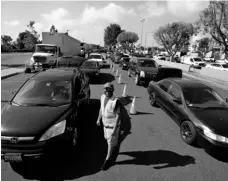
{"x": 137, "y": 79}
{"x": 188, "y": 132}
{"x": 129, "y": 73}
{"x": 152, "y": 99}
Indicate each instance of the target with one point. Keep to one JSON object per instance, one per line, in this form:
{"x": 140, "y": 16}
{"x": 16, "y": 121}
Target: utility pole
{"x": 142, "y": 21}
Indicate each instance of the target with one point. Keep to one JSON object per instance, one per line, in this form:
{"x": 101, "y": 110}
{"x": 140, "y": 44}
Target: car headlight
{"x": 53, "y": 131}
{"x": 142, "y": 74}
{"x": 213, "y": 136}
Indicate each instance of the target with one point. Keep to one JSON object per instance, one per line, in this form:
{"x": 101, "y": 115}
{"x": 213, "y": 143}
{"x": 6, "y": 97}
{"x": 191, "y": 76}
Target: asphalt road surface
{"x": 153, "y": 149}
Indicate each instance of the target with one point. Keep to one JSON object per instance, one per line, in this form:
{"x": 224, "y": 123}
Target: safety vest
{"x": 108, "y": 114}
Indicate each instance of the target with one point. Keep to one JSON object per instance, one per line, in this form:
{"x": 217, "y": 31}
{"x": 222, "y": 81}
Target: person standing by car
{"x": 110, "y": 114}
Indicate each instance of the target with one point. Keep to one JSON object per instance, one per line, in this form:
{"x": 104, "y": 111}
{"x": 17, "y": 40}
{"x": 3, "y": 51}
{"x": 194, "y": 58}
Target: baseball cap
{"x": 109, "y": 85}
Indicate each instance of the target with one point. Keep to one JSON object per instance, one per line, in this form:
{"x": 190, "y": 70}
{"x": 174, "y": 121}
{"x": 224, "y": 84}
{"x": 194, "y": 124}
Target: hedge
{"x": 16, "y": 50}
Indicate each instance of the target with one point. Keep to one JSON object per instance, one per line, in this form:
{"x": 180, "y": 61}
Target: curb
{"x": 10, "y": 75}
{"x": 210, "y": 82}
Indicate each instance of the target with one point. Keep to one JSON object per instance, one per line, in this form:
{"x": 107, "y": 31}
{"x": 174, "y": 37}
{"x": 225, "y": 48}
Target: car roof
{"x": 55, "y": 74}
{"x": 187, "y": 83}
{"x": 95, "y": 53}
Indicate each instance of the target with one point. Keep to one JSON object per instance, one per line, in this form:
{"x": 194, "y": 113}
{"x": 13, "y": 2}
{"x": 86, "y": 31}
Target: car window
{"x": 175, "y": 91}
{"x": 164, "y": 85}
{"x": 95, "y": 57}
{"x": 52, "y": 93}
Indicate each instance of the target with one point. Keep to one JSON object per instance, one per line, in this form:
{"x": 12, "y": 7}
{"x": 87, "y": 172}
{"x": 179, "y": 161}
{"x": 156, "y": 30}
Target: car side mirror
{"x": 178, "y": 101}
{"x": 226, "y": 99}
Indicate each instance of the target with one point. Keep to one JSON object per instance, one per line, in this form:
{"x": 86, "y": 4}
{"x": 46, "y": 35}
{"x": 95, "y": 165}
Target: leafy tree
{"x": 203, "y": 44}
{"x": 6, "y": 43}
{"x": 174, "y": 36}
{"x": 32, "y": 28}
{"x": 6, "y": 39}
{"x": 110, "y": 34}
{"x": 53, "y": 29}
{"x": 214, "y": 20}
{"x": 127, "y": 39}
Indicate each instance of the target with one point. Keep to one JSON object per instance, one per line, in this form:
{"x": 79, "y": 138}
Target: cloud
{"x": 185, "y": 7}
{"x": 12, "y": 23}
{"x": 60, "y": 18}
{"x": 111, "y": 13}
{"x": 38, "y": 26}
{"x": 151, "y": 9}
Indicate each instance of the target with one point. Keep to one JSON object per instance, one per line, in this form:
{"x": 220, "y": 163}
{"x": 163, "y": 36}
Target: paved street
{"x": 152, "y": 151}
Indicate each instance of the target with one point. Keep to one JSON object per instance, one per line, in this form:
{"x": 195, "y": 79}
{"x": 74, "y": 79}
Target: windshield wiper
{"x": 16, "y": 104}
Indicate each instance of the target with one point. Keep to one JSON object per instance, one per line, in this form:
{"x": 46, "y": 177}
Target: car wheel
{"x": 152, "y": 99}
{"x": 188, "y": 132}
{"x": 129, "y": 73}
{"x": 137, "y": 79}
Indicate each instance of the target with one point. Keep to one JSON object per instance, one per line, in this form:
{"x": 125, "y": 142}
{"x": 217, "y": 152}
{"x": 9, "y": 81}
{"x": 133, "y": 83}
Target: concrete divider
{"x": 209, "y": 72}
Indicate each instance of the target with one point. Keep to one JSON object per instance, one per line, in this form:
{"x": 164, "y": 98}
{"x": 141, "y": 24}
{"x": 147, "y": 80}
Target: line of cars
{"x": 200, "y": 112}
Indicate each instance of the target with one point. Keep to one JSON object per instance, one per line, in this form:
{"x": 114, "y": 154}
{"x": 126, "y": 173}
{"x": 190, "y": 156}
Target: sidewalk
{"x": 10, "y": 72}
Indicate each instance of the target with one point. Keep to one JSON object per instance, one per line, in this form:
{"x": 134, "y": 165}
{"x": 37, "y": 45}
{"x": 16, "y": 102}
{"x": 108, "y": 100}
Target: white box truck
{"x": 53, "y": 45}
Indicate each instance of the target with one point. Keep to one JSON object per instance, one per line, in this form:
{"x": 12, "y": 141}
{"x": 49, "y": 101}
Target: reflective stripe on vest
{"x": 108, "y": 114}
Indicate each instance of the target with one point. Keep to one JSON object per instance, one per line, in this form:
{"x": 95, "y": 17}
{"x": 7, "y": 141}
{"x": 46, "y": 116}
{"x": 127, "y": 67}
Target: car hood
{"x": 215, "y": 119}
{"x": 42, "y": 54}
{"x": 29, "y": 121}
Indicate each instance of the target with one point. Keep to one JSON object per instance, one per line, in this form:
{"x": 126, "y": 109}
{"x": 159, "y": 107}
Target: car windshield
{"x": 197, "y": 60}
{"x": 46, "y": 49}
{"x": 147, "y": 63}
{"x": 44, "y": 92}
{"x": 94, "y": 57}
{"x": 225, "y": 66}
{"x": 89, "y": 64}
{"x": 202, "y": 97}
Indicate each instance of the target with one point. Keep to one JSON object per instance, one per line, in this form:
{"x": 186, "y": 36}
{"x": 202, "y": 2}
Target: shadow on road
{"x": 157, "y": 157}
{"x": 69, "y": 164}
{"x": 218, "y": 154}
{"x": 141, "y": 113}
{"x": 103, "y": 78}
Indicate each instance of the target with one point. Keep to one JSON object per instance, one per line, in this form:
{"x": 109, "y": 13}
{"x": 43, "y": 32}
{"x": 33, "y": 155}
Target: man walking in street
{"x": 110, "y": 115}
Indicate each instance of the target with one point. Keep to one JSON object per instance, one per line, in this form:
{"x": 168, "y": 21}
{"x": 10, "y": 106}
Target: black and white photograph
{"x": 114, "y": 90}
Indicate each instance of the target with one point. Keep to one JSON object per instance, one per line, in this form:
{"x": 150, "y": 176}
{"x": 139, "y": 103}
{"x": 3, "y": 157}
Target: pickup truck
{"x": 145, "y": 70}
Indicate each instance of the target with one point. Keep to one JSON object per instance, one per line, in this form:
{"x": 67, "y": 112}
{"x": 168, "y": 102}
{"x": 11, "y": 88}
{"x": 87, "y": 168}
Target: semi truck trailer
{"x": 54, "y": 45}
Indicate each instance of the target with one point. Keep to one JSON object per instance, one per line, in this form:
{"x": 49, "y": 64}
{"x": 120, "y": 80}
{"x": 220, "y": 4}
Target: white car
{"x": 218, "y": 66}
{"x": 196, "y": 61}
{"x": 97, "y": 57}
{"x": 222, "y": 61}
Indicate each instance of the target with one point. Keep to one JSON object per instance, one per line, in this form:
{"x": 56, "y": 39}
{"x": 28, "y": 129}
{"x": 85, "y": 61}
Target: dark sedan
{"x": 124, "y": 63}
{"x": 70, "y": 61}
{"x": 91, "y": 69}
{"x": 145, "y": 69}
{"x": 198, "y": 109}
{"x": 43, "y": 115}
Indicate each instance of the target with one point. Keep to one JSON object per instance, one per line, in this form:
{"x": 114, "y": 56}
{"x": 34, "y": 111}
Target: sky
{"x": 86, "y": 20}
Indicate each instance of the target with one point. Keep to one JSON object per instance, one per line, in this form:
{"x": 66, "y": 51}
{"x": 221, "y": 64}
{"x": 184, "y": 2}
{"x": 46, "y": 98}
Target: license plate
{"x": 12, "y": 157}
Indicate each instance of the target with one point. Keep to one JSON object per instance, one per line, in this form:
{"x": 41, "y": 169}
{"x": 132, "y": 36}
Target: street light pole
{"x": 142, "y": 21}
{"x": 146, "y": 37}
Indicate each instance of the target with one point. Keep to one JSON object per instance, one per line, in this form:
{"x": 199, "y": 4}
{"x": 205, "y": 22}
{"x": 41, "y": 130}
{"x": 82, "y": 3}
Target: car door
{"x": 161, "y": 93}
{"x": 176, "y": 102}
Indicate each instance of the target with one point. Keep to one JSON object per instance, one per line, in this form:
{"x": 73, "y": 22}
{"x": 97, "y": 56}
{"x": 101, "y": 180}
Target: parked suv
{"x": 43, "y": 115}
{"x": 145, "y": 69}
